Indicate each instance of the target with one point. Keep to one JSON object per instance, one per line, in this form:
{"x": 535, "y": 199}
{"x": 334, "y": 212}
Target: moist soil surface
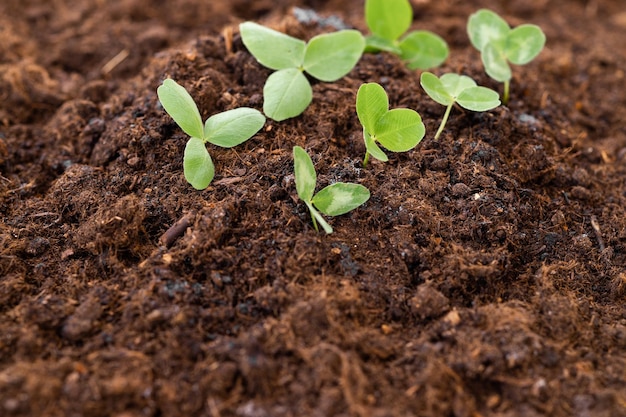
{"x": 485, "y": 276}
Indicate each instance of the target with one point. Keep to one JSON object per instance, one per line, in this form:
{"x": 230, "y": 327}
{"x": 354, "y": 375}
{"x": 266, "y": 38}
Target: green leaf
{"x": 435, "y": 89}
{"x": 304, "y": 171}
{"x": 388, "y": 18}
{"x": 422, "y": 49}
{"x": 197, "y": 164}
{"x": 375, "y": 44}
{"x": 371, "y": 104}
{"x": 233, "y": 127}
{"x": 330, "y": 56}
{"x": 400, "y": 130}
{"x": 496, "y": 65}
{"x": 524, "y": 43}
{"x": 478, "y": 99}
{"x": 317, "y": 218}
{"x": 340, "y": 198}
{"x": 271, "y": 48}
{"x": 455, "y": 84}
{"x": 180, "y": 106}
{"x": 372, "y": 148}
{"x": 484, "y": 27}
{"x": 287, "y": 93}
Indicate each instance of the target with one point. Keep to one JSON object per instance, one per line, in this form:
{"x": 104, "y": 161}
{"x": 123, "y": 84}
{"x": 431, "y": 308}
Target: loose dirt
{"x": 486, "y": 276}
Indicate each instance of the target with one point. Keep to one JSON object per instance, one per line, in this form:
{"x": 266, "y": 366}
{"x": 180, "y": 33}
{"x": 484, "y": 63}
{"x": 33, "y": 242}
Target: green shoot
{"x": 461, "y": 89}
{"x": 388, "y": 20}
{"x": 328, "y": 57}
{"x": 334, "y": 200}
{"x": 398, "y": 130}
{"x": 226, "y": 129}
{"x": 499, "y": 44}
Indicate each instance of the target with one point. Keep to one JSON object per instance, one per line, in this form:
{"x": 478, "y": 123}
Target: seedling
{"x": 499, "y": 44}
{"x": 328, "y": 57}
{"x": 388, "y": 20}
{"x": 398, "y": 130}
{"x": 333, "y": 200}
{"x": 461, "y": 89}
{"x": 226, "y": 129}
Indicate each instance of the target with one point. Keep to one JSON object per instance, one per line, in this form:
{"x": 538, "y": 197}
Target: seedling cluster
{"x": 328, "y": 57}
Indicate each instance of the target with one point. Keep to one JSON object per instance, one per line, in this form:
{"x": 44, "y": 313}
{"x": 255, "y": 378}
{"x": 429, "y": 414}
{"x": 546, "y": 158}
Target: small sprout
{"x": 499, "y": 44}
{"x": 226, "y": 129}
{"x": 461, "y": 89}
{"x": 398, "y": 130}
{"x": 327, "y": 57}
{"x": 334, "y": 200}
{"x": 388, "y": 20}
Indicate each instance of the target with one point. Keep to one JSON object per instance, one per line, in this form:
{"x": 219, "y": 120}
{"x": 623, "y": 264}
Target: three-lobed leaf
{"x": 524, "y": 43}
{"x": 330, "y": 56}
{"x": 287, "y": 93}
{"x": 232, "y": 127}
{"x": 180, "y": 106}
{"x": 271, "y": 48}
{"x": 454, "y": 88}
{"x": 197, "y": 164}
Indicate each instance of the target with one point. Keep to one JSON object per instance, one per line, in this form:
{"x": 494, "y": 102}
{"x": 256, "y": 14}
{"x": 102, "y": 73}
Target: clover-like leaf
{"x": 422, "y": 49}
{"x": 496, "y": 65}
{"x": 485, "y": 26}
{"x": 399, "y": 130}
{"x": 340, "y": 198}
{"x": 286, "y": 93}
{"x": 524, "y": 43}
{"x": 197, "y": 164}
{"x": 330, "y": 56}
{"x": 371, "y": 104}
{"x": 461, "y": 89}
{"x": 180, "y": 106}
{"x": 388, "y": 19}
{"x": 271, "y": 48}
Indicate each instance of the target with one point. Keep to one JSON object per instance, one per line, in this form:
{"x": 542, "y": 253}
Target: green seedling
{"x": 398, "y": 130}
{"x": 389, "y": 20}
{"x": 333, "y": 200}
{"x": 226, "y": 129}
{"x": 461, "y": 89}
{"x": 499, "y": 44}
{"x": 328, "y": 57}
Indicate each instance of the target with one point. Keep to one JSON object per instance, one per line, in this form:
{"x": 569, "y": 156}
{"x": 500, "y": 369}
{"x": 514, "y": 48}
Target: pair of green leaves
{"x": 398, "y": 130}
{"x": 388, "y": 20}
{"x": 333, "y": 200}
{"x": 499, "y": 44}
{"x": 461, "y": 89}
{"x": 226, "y": 129}
{"x": 328, "y": 57}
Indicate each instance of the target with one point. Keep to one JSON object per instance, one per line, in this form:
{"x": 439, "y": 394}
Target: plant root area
{"x": 486, "y": 276}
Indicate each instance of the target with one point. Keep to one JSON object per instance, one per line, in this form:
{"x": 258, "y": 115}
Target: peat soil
{"x": 486, "y": 276}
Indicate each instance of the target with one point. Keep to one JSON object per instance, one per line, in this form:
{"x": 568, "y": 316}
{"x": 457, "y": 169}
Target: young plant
{"x": 398, "y": 130}
{"x": 333, "y": 200}
{"x": 388, "y": 20}
{"x": 499, "y": 44}
{"x": 225, "y": 129}
{"x": 461, "y": 89}
{"x": 328, "y": 57}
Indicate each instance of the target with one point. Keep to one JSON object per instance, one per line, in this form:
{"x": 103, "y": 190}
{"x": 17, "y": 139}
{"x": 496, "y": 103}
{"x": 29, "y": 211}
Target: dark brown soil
{"x": 486, "y": 276}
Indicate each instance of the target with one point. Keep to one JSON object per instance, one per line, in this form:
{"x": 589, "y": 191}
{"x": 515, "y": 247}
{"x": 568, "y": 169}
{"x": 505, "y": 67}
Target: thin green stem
{"x": 366, "y": 159}
{"x": 444, "y": 120}
{"x": 505, "y": 96}
{"x": 313, "y": 216}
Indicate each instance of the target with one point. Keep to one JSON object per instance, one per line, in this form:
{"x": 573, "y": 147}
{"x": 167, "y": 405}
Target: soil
{"x": 486, "y": 276}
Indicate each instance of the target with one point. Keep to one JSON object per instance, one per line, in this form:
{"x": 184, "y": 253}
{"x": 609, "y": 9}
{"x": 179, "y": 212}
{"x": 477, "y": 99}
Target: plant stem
{"x": 505, "y": 96}
{"x": 366, "y": 159}
{"x": 444, "y": 120}
{"x": 313, "y": 216}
